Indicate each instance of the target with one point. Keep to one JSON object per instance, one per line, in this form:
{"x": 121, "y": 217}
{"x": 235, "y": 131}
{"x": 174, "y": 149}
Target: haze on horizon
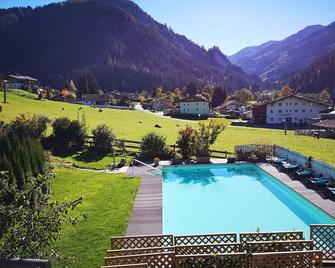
{"x": 231, "y": 25}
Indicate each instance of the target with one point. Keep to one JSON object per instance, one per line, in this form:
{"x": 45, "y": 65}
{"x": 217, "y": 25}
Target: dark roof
{"x": 194, "y": 99}
{"x": 325, "y": 124}
{"x": 229, "y": 102}
{"x": 299, "y": 97}
{"x": 22, "y": 77}
{"x": 96, "y": 97}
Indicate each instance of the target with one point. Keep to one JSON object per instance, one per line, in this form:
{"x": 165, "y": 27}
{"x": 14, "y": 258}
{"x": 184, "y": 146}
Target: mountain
{"x": 280, "y": 59}
{"x": 122, "y": 45}
{"x": 316, "y": 77}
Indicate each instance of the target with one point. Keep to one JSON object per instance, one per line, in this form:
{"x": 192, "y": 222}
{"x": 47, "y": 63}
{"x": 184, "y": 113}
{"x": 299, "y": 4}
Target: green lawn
{"x": 126, "y": 125}
{"x": 108, "y": 200}
{"x": 92, "y": 161}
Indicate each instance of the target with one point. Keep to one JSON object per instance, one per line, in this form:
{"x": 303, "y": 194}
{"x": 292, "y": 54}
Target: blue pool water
{"x": 232, "y": 198}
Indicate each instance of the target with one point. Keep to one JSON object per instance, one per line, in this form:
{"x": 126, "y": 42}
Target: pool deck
{"x": 314, "y": 197}
{"x": 146, "y": 218}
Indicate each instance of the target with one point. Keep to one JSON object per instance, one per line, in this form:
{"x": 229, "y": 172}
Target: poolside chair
{"x": 290, "y": 166}
{"x": 304, "y": 173}
{"x": 331, "y": 192}
{"x": 318, "y": 182}
{"x": 279, "y": 160}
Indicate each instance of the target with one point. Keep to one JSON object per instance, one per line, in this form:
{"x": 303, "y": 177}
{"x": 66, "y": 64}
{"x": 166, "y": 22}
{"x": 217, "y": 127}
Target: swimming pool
{"x": 232, "y": 198}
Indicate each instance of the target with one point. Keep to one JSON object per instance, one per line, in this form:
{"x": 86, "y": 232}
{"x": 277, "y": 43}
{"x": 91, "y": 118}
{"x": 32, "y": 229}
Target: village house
{"x": 193, "y": 106}
{"x": 93, "y": 100}
{"x": 21, "y": 82}
{"x": 162, "y": 104}
{"x": 230, "y": 106}
{"x": 292, "y": 109}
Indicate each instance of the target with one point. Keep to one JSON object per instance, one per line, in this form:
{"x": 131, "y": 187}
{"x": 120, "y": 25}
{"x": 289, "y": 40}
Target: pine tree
{"x": 5, "y": 165}
{"x": 19, "y": 173}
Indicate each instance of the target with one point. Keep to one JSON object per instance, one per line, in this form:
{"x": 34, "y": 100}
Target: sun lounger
{"x": 331, "y": 192}
{"x": 303, "y": 173}
{"x": 318, "y": 182}
{"x": 290, "y": 166}
{"x": 279, "y": 160}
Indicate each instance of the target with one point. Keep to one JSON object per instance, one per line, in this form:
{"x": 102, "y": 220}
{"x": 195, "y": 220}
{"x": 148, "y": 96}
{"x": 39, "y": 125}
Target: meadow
{"x": 132, "y": 125}
{"x": 108, "y": 201}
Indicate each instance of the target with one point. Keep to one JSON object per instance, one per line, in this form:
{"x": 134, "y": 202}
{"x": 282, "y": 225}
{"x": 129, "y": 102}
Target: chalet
{"x": 162, "y": 104}
{"x": 21, "y": 82}
{"x": 229, "y": 106}
{"x": 292, "y": 109}
{"x": 93, "y": 100}
{"x": 193, "y": 106}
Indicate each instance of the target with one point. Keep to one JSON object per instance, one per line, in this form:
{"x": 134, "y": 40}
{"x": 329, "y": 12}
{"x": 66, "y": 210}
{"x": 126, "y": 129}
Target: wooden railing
{"x": 256, "y": 249}
{"x": 323, "y": 237}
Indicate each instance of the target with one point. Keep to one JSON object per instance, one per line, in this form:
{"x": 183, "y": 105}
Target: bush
{"x": 33, "y": 126}
{"x": 103, "y": 138}
{"x": 68, "y": 135}
{"x": 152, "y": 145}
{"x": 186, "y": 142}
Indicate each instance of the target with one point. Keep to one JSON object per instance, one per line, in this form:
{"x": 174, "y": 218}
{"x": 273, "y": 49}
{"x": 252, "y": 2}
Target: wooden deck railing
{"x": 323, "y": 237}
{"x": 205, "y": 239}
{"x": 144, "y": 241}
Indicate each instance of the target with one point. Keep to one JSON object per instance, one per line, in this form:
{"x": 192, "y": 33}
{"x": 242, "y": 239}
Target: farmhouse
{"x": 21, "y": 82}
{"x": 93, "y": 100}
{"x": 193, "y": 106}
{"x": 291, "y": 108}
{"x": 162, "y": 104}
{"x": 230, "y": 105}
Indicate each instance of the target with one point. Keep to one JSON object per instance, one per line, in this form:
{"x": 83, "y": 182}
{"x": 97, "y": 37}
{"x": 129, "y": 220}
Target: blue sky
{"x": 231, "y": 25}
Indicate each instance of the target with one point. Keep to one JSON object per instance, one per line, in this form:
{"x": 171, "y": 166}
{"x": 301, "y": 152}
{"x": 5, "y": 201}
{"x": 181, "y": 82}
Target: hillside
{"x": 126, "y": 125}
{"x": 316, "y": 77}
{"x": 278, "y": 60}
{"x": 122, "y": 45}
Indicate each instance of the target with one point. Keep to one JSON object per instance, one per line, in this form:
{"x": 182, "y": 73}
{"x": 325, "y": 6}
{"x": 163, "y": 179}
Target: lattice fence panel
{"x": 271, "y": 236}
{"x": 142, "y": 241}
{"x": 154, "y": 260}
{"x": 231, "y": 260}
{"x": 140, "y": 265}
{"x": 304, "y": 259}
{"x": 205, "y": 239}
{"x": 323, "y": 237}
{"x": 207, "y": 249}
{"x": 279, "y": 246}
{"x": 137, "y": 251}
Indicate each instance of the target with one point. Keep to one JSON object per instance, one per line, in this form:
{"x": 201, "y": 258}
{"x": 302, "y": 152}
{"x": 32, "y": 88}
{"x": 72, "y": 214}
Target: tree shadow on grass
{"x": 89, "y": 156}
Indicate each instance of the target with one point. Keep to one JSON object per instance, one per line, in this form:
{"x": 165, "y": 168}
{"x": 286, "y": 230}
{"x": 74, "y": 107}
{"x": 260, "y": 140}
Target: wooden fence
{"x": 130, "y": 146}
{"x": 256, "y": 249}
{"x": 323, "y": 237}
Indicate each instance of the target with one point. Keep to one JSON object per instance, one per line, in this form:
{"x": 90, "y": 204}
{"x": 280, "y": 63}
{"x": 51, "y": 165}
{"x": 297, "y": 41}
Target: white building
{"x": 293, "y": 109}
{"x": 195, "y": 106}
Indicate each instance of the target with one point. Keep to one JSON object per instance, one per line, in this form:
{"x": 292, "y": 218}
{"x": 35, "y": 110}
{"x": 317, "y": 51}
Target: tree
{"x": 87, "y": 84}
{"x": 103, "y": 137}
{"x": 187, "y": 141}
{"x": 324, "y": 96}
{"x": 219, "y": 96}
{"x": 68, "y": 135}
{"x": 244, "y": 95}
{"x": 191, "y": 90}
{"x": 152, "y": 145}
{"x": 33, "y": 126}
{"x": 70, "y": 85}
{"x": 158, "y": 92}
{"x": 29, "y": 221}
{"x": 285, "y": 91}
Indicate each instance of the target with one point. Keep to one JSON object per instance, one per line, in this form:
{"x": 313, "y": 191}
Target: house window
{"x": 279, "y": 111}
{"x": 271, "y": 119}
{"x": 311, "y": 110}
{"x": 296, "y": 110}
{"x": 295, "y": 103}
{"x": 271, "y": 111}
{"x": 271, "y": 104}
{"x": 188, "y": 104}
{"x": 198, "y": 103}
{"x": 303, "y": 110}
{"x": 290, "y": 111}
{"x": 280, "y": 104}
{"x": 197, "y": 109}
{"x": 303, "y": 104}
{"x": 287, "y": 111}
{"x": 286, "y": 103}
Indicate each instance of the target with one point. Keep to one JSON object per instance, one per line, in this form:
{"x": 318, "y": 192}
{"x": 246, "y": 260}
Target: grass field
{"x": 108, "y": 200}
{"x": 126, "y": 125}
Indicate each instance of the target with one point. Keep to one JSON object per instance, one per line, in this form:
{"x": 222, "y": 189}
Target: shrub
{"x": 68, "y": 135}
{"x": 206, "y": 136}
{"x": 34, "y": 126}
{"x": 103, "y": 138}
{"x": 152, "y": 145}
{"x": 186, "y": 142}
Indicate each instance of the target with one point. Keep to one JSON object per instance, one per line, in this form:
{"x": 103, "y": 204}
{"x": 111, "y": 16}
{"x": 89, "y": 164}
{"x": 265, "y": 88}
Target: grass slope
{"x": 126, "y": 125}
{"x": 108, "y": 200}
